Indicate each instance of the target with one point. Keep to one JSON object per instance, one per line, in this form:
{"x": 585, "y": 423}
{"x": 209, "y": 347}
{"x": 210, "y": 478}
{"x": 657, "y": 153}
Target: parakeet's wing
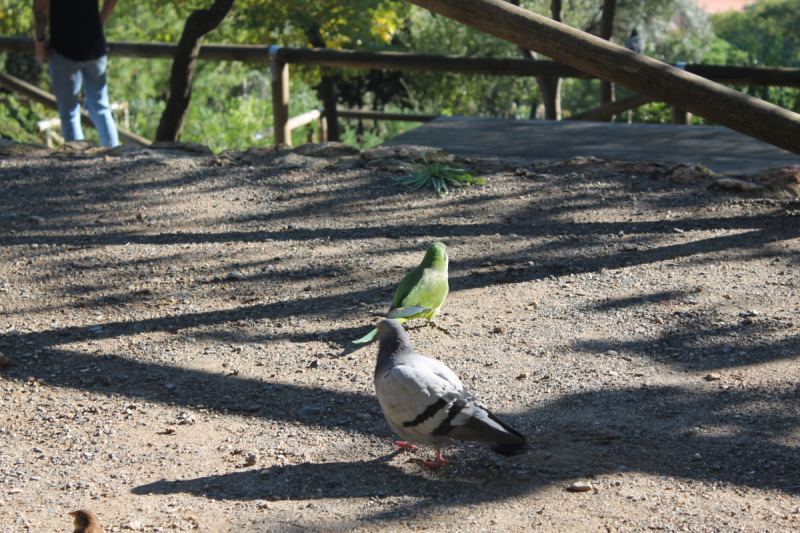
{"x": 423, "y": 287}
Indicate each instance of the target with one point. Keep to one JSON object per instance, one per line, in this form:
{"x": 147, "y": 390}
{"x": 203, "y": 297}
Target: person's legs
{"x": 94, "y": 81}
{"x": 66, "y": 80}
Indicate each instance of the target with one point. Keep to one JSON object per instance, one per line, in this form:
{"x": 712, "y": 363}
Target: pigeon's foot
{"x": 402, "y": 445}
{"x": 440, "y": 461}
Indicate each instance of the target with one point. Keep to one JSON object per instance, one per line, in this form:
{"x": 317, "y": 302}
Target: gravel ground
{"x": 179, "y": 331}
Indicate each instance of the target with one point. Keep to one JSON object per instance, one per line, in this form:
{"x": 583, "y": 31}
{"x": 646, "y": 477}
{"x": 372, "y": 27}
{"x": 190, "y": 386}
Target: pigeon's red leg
{"x": 440, "y": 461}
{"x": 402, "y": 445}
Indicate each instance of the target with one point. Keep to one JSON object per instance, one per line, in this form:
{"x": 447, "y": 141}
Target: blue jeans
{"x": 67, "y": 77}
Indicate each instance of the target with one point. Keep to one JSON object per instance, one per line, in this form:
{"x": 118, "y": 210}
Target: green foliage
{"x": 18, "y": 121}
{"x": 436, "y": 175}
{"x": 766, "y": 33}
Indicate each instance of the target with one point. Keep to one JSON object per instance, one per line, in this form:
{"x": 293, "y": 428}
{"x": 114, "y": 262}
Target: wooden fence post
{"x": 280, "y": 97}
{"x": 329, "y": 97}
{"x": 738, "y": 111}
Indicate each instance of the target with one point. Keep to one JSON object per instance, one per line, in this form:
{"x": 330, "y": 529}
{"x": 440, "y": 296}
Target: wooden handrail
{"x": 325, "y": 57}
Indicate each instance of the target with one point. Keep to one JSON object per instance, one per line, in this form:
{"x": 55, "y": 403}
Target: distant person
{"x": 77, "y": 54}
{"x": 635, "y": 42}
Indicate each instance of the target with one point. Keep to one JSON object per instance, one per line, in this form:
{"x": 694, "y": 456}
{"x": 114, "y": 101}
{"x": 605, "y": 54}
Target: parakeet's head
{"x": 436, "y": 256}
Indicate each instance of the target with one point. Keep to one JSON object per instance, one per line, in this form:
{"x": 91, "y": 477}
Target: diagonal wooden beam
{"x": 738, "y": 111}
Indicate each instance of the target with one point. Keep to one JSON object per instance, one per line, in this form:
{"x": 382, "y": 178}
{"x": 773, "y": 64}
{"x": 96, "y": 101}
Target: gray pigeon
{"x": 635, "y": 42}
{"x": 426, "y": 403}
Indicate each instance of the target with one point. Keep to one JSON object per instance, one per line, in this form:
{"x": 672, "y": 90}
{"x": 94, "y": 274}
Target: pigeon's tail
{"x": 511, "y": 449}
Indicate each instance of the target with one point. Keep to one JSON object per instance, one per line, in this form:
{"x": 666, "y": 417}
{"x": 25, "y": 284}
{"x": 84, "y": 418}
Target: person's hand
{"x": 42, "y": 50}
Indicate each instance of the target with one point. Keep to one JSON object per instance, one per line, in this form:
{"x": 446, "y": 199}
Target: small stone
{"x": 697, "y": 457}
{"x": 677, "y": 230}
{"x": 33, "y": 219}
{"x": 264, "y": 473}
{"x": 487, "y": 264}
{"x": 314, "y": 364}
{"x": 38, "y": 450}
{"x": 772, "y": 239}
{"x": 234, "y": 276}
{"x": 5, "y": 362}
{"x": 363, "y": 417}
{"x": 311, "y": 411}
{"x": 658, "y": 320}
{"x": 251, "y": 459}
{"x": 171, "y": 430}
{"x": 133, "y": 525}
{"x": 712, "y": 377}
{"x": 523, "y": 375}
{"x": 499, "y": 329}
{"x": 580, "y": 486}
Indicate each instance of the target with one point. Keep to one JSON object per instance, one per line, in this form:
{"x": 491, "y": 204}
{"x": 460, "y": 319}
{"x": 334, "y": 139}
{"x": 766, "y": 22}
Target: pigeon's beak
{"x": 73, "y": 514}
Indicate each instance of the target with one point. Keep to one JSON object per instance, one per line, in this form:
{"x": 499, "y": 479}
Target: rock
{"x": 523, "y": 375}
{"x": 16, "y": 149}
{"x": 691, "y": 173}
{"x": 291, "y": 161}
{"x": 176, "y": 146}
{"x": 5, "y": 362}
{"x": 133, "y": 525}
{"x": 390, "y": 165}
{"x": 170, "y": 430}
{"x": 266, "y": 151}
{"x": 234, "y": 276}
{"x": 734, "y": 185}
{"x": 406, "y": 152}
{"x": 486, "y": 264}
{"x": 580, "y": 486}
{"x": 499, "y": 329}
{"x": 697, "y": 457}
{"x": 780, "y": 178}
{"x": 251, "y": 459}
{"x": 712, "y": 377}
{"x": 363, "y": 417}
{"x": 33, "y": 219}
{"x": 311, "y": 411}
{"x": 326, "y": 149}
{"x": 677, "y": 230}
{"x": 314, "y": 364}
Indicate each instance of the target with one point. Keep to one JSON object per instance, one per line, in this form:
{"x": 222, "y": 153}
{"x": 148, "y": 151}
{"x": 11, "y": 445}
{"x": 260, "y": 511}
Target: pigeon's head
{"x": 436, "y": 256}
{"x": 634, "y": 33}
{"x": 392, "y": 337}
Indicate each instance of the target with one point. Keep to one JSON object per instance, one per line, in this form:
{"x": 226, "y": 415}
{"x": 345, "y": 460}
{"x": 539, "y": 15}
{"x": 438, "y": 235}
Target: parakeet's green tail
{"x": 371, "y": 335}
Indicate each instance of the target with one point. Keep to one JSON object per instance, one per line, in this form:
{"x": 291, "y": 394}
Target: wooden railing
{"x": 278, "y": 58}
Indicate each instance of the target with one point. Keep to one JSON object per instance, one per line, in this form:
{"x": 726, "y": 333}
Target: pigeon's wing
{"x": 423, "y": 395}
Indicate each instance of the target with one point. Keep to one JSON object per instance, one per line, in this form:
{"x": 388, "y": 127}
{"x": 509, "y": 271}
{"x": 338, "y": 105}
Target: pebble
{"x": 487, "y": 264}
{"x": 697, "y": 457}
{"x": 251, "y": 459}
{"x": 523, "y": 375}
{"x": 311, "y": 411}
{"x": 33, "y": 219}
{"x": 171, "y": 430}
{"x": 712, "y": 377}
{"x": 5, "y": 362}
{"x": 133, "y": 525}
{"x": 234, "y": 276}
{"x": 580, "y": 486}
{"x": 678, "y": 230}
{"x": 499, "y": 329}
{"x": 363, "y": 417}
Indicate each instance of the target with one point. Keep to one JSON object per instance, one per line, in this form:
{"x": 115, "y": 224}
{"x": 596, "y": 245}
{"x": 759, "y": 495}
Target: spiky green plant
{"x": 437, "y": 175}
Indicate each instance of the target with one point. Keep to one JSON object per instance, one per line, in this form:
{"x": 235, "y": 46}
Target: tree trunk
{"x": 606, "y": 31}
{"x": 199, "y": 23}
{"x": 550, "y": 88}
{"x": 327, "y": 86}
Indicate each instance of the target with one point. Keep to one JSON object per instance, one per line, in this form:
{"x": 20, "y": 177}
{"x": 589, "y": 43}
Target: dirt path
{"x": 180, "y": 331}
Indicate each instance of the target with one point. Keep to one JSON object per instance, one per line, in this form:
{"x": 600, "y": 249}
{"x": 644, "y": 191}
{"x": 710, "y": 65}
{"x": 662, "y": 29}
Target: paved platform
{"x": 720, "y": 149}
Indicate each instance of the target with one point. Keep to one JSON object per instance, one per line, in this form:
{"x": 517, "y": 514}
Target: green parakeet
{"x": 422, "y": 291}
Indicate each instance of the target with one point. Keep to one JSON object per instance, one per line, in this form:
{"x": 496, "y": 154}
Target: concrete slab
{"x": 720, "y": 149}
